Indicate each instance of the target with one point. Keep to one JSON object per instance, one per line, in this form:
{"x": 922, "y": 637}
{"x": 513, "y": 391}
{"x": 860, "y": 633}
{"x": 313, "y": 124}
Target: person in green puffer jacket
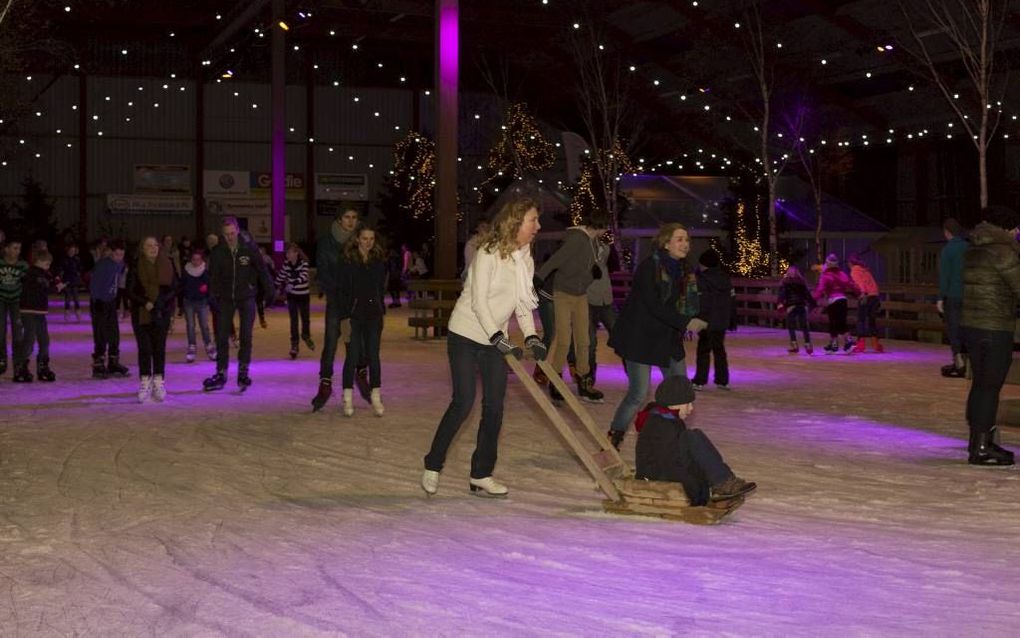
{"x": 991, "y": 290}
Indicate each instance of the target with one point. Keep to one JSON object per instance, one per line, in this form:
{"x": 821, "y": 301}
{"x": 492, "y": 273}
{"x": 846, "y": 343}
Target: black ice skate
{"x": 587, "y": 391}
{"x": 615, "y": 437}
{"x": 43, "y": 372}
{"x": 555, "y": 396}
{"x": 361, "y": 380}
{"x": 99, "y": 368}
{"x": 293, "y": 350}
{"x": 243, "y": 381}
{"x": 794, "y": 348}
{"x": 115, "y": 369}
{"x": 215, "y": 382}
{"x": 309, "y": 343}
{"x": 983, "y": 450}
{"x": 325, "y": 390}
{"x": 832, "y": 348}
{"x": 21, "y": 373}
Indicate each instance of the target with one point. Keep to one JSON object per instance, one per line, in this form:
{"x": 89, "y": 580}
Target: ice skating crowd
{"x": 670, "y": 301}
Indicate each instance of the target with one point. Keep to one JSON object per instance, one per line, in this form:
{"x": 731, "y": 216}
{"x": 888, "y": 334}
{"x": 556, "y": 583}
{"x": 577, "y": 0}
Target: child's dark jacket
{"x": 664, "y": 454}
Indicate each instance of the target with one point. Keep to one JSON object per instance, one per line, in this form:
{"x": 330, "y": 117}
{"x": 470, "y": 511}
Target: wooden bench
{"x": 431, "y": 303}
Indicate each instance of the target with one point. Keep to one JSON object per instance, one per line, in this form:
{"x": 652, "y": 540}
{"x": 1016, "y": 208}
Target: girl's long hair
{"x": 666, "y": 233}
{"x": 353, "y": 254}
{"x": 502, "y": 236}
{"x": 792, "y": 274}
{"x": 295, "y": 246}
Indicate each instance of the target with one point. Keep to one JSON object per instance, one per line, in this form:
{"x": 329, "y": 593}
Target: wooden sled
{"x": 625, "y": 494}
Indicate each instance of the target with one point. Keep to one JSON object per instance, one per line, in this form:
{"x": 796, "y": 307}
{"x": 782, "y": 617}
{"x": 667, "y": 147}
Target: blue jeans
{"x": 639, "y": 377}
{"x": 197, "y": 311}
{"x": 468, "y": 359}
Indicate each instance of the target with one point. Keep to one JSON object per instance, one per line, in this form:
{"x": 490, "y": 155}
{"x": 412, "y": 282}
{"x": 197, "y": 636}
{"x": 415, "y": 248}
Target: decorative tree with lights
{"x": 973, "y": 29}
{"x": 589, "y": 193}
{"x": 520, "y": 150}
{"x": 407, "y": 198}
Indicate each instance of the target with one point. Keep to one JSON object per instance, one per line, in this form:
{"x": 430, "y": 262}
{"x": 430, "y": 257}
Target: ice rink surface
{"x": 218, "y": 514}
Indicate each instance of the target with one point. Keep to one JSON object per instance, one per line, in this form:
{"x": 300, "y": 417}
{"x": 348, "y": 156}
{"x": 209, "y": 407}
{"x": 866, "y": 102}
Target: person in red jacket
{"x": 833, "y": 289}
{"x": 867, "y": 305}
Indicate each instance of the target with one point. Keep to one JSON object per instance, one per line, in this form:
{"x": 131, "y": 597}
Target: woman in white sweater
{"x": 498, "y": 285}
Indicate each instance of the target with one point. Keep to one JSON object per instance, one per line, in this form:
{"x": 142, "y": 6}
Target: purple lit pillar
{"x": 83, "y": 158}
{"x": 447, "y": 67}
{"x": 279, "y": 143}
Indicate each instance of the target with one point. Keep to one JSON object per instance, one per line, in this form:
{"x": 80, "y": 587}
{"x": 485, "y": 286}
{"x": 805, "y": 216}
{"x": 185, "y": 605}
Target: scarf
{"x": 672, "y": 276}
{"x": 148, "y": 278}
{"x": 524, "y": 268}
{"x": 165, "y": 265}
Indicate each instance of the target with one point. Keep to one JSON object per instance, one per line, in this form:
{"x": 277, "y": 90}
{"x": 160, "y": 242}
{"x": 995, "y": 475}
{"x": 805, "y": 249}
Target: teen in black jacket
{"x": 715, "y": 303}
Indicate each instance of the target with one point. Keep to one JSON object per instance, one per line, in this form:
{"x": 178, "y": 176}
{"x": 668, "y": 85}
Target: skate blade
{"x": 481, "y": 493}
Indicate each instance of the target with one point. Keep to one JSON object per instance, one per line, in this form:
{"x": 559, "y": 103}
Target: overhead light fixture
{"x": 283, "y": 25}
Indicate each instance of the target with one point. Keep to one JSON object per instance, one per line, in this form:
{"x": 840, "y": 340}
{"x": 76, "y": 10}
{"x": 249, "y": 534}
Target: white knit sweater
{"x": 495, "y": 289}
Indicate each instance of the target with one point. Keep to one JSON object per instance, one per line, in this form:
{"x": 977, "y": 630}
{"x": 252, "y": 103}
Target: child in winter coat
{"x": 35, "y": 303}
{"x": 867, "y": 305}
{"x": 668, "y": 451}
{"x": 715, "y": 301}
{"x": 796, "y": 299}
{"x": 195, "y": 297}
{"x": 834, "y": 287}
{"x": 292, "y": 280}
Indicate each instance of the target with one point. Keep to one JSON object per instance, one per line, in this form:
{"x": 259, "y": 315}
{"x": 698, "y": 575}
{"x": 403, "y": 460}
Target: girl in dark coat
{"x": 715, "y": 300}
{"x": 152, "y": 289}
{"x": 661, "y": 307}
{"x": 796, "y": 299}
{"x": 362, "y": 287}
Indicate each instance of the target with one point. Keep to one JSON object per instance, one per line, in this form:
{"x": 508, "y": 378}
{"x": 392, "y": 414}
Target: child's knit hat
{"x": 674, "y": 391}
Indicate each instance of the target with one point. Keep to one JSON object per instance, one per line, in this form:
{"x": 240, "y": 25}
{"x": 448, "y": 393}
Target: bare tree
{"x": 973, "y": 29}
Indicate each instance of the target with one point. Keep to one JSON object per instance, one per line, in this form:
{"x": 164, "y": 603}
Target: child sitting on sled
{"x": 668, "y": 451}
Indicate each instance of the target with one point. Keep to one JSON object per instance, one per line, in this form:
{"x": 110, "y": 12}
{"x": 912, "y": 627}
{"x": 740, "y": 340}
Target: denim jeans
{"x": 197, "y": 311}
{"x": 105, "y": 329}
{"x": 298, "y": 308}
{"x": 712, "y": 345}
{"x": 245, "y": 308}
{"x": 639, "y": 377}
{"x": 467, "y": 360}
{"x": 366, "y": 333}
{"x": 330, "y": 339}
{"x": 952, "y": 311}
{"x": 796, "y": 319}
{"x": 11, "y": 310}
{"x": 991, "y": 354}
{"x": 34, "y": 329}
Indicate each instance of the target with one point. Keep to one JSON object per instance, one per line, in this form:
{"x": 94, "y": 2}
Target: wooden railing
{"x": 431, "y": 302}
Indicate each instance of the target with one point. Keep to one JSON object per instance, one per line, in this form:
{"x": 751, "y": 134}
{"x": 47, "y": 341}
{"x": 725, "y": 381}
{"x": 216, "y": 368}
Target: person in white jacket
{"x": 498, "y": 285}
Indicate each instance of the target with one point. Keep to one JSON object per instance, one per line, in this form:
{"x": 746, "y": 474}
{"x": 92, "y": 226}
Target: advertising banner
{"x": 238, "y": 206}
{"x": 162, "y": 178}
{"x": 226, "y": 183}
{"x": 262, "y": 185}
{"x": 123, "y": 204}
{"x": 341, "y": 186}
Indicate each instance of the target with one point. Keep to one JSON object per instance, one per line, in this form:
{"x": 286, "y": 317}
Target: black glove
{"x": 536, "y": 348}
{"x": 504, "y": 346}
{"x": 537, "y": 282}
{"x": 596, "y": 272}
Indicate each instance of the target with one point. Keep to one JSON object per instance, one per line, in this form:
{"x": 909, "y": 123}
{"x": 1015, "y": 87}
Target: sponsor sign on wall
{"x": 341, "y": 186}
{"x": 262, "y": 185}
{"x": 162, "y": 178}
{"x": 146, "y": 204}
{"x": 226, "y": 183}
{"x": 239, "y": 206}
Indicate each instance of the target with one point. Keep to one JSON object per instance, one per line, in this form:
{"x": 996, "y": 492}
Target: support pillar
{"x": 447, "y": 68}
{"x": 199, "y": 155}
{"x": 83, "y": 163}
{"x": 310, "y": 147}
{"x": 279, "y": 131}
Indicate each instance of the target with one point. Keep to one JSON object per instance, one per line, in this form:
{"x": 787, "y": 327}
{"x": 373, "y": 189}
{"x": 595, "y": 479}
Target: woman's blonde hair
{"x": 378, "y": 252}
{"x": 502, "y": 236}
{"x": 666, "y": 233}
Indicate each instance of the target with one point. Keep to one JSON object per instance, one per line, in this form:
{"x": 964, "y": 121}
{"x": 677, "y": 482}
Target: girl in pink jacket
{"x": 833, "y": 289}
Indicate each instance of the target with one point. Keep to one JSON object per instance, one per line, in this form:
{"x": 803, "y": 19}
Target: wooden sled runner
{"x": 625, "y": 494}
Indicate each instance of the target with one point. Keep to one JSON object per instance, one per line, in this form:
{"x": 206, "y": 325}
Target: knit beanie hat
{"x": 709, "y": 259}
{"x": 674, "y": 391}
{"x": 832, "y": 261}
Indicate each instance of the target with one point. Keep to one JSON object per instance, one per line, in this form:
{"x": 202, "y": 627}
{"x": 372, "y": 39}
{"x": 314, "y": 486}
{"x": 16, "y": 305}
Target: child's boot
{"x": 115, "y": 369}
{"x": 99, "y": 367}
{"x": 348, "y": 402}
{"x": 877, "y": 345}
{"x": 158, "y": 388}
{"x": 615, "y": 437}
{"x": 144, "y": 388}
{"x": 377, "y": 405}
{"x": 21, "y": 373}
{"x": 794, "y": 348}
{"x": 43, "y": 372}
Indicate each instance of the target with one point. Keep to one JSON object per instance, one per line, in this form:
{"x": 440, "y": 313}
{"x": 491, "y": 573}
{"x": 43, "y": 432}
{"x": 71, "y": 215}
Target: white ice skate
{"x": 158, "y": 388}
{"x": 348, "y": 402}
{"x": 144, "y": 389}
{"x": 430, "y": 482}
{"x": 377, "y": 405}
{"x": 488, "y": 487}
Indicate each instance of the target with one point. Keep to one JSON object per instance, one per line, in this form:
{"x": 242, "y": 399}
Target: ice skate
{"x": 539, "y": 376}
{"x": 243, "y": 381}
{"x": 794, "y": 348}
{"x": 190, "y": 356}
{"x": 361, "y": 381}
{"x": 348, "y": 402}
{"x": 158, "y": 388}
{"x": 377, "y": 404}
{"x": 309, "y": 343}
{"x": 216, "y": 382}
{"x": 983, "y": 450}
{"x": 99, "y": 368}
{"x": 555, "y": 396}
{"x": 572, "y": 369}
{"x": 732, "y": 488}
{"x": 488, "y": 487}
{"x": 587, "y": 392}
{"x": 262, "y": 322}
{"x": 808, "y": 348}
{"x": 293, "y": 350}
{"x": 115, "y": 369}
{"x": 325, "y": 390}
{"x": 848, "y": 345}
{"x": 832, "y": 348}
{"x": 430, "y": 482}
{"x": 210, "y": 351}
{"x": 43, "y": 371}
{"x": 876, "y": 345}
{"x": 615, "y": 437}
{"x": 144, "y": 388}
{"x": 860, "y": 346}
{"x": 21, "y": 373}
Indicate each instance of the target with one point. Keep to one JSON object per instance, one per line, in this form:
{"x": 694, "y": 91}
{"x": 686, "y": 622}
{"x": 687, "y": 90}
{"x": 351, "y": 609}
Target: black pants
{"x": 151, "y": 340}
{"x": 837, "y": 317}
{"x": 796, "y": 319}
{"x": 991, "y": 353}
{"x": 10, "y": 311}
{"x": 363, "y": 350}
{"x": 712, "y": 343}
{"x": 71, "y": 297}
{"x": 245, "y": 309}
{"x": 330, "y": 339}
{"x": 105, "y": 329}
{"x": 468, "y": 359}
{"x": 34, "y": 329}
{"x": 952, "y": 311}
{"x": 867, "y": 313}
{"x": 298, "y": 307}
